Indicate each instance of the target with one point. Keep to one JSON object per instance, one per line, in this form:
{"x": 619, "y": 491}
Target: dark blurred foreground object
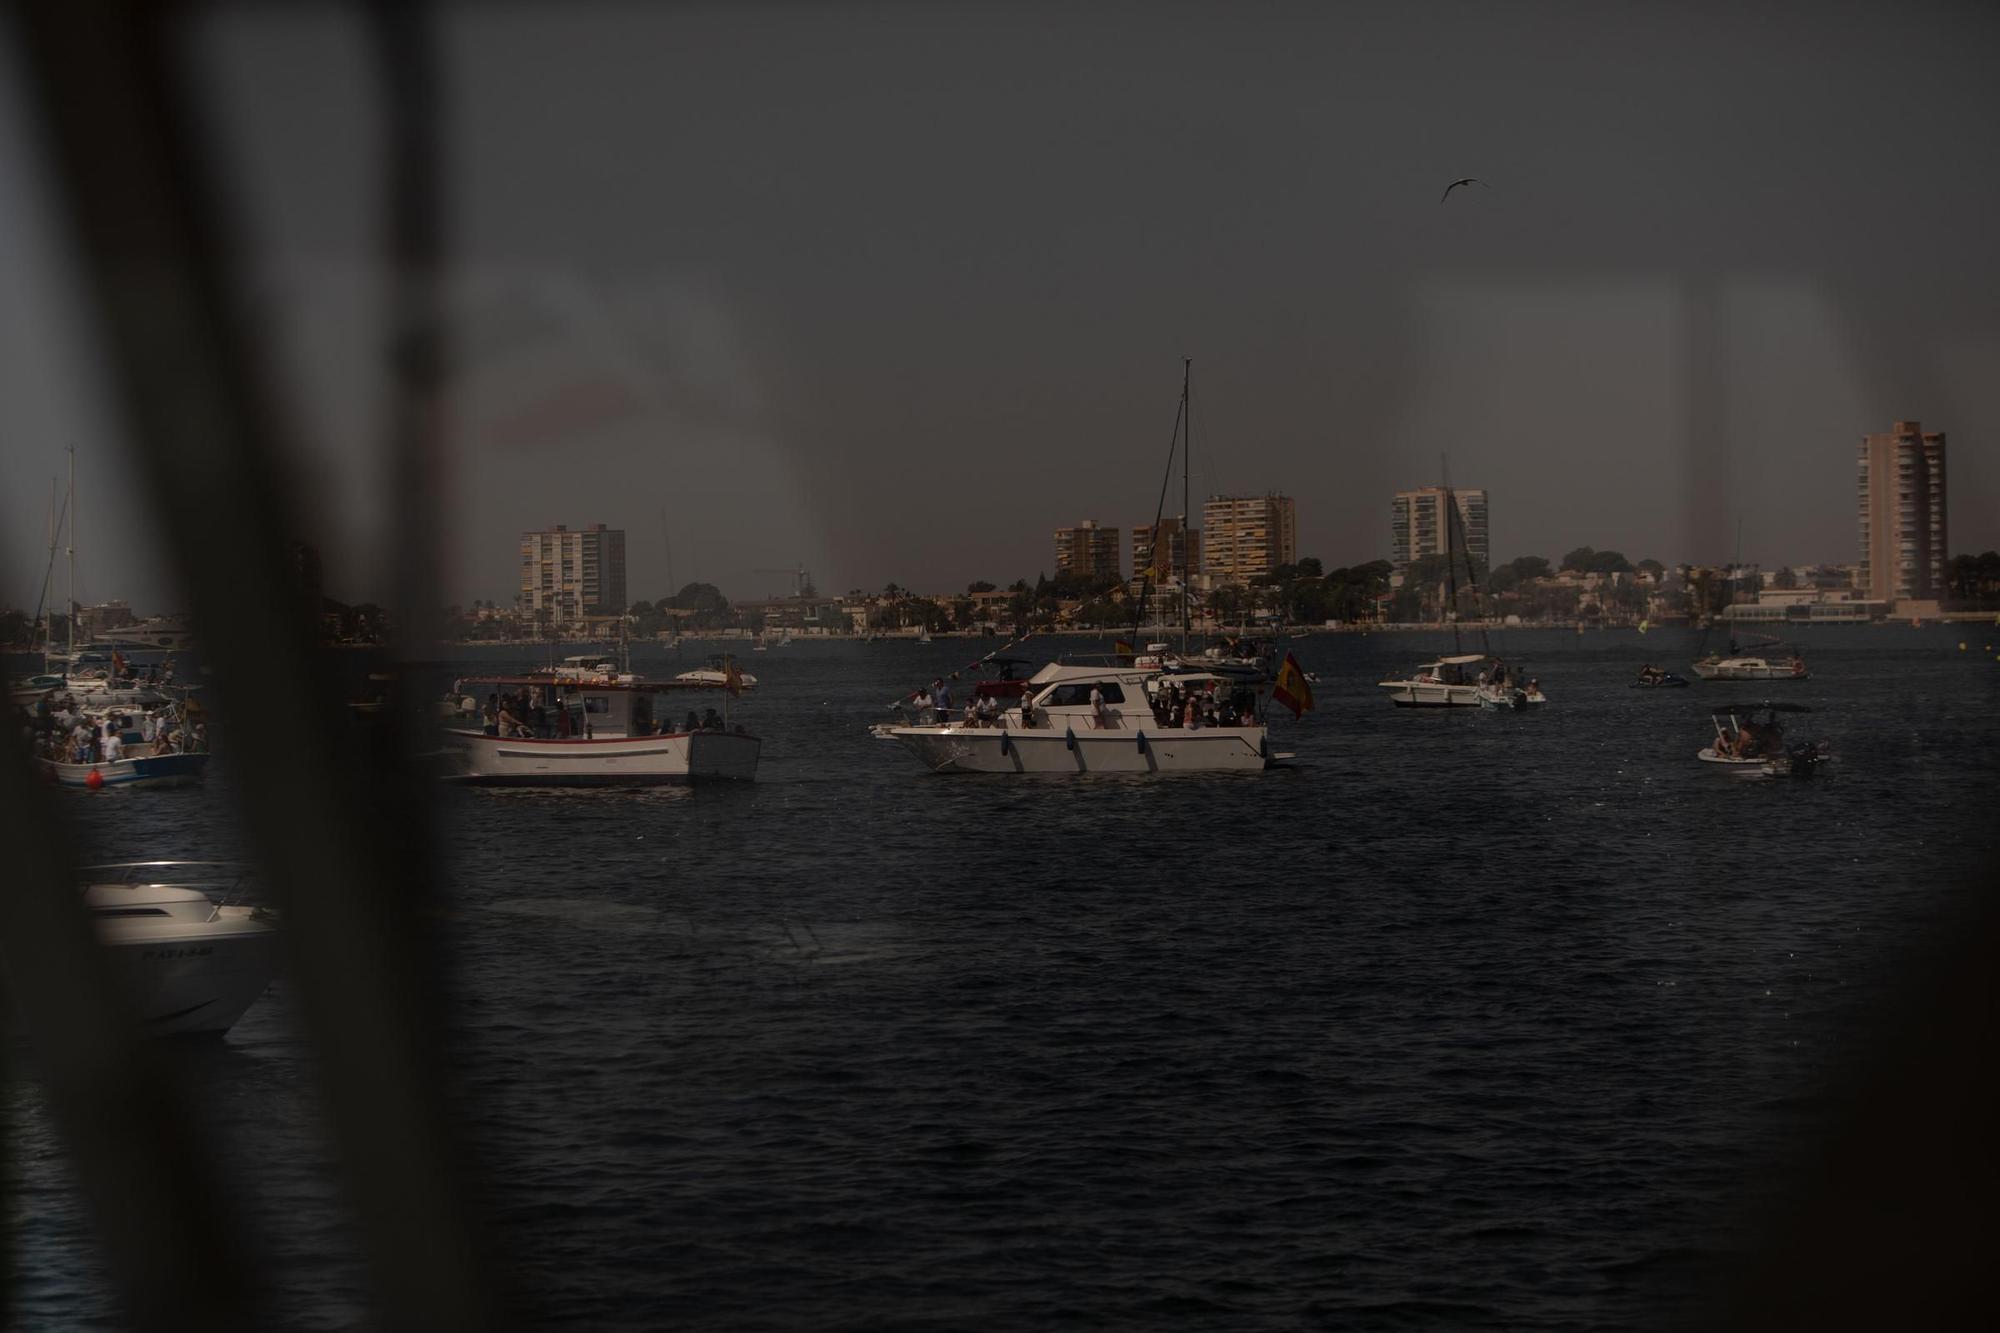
{"x": 344, "y": 843}
{"x": 1893, "y": 1225}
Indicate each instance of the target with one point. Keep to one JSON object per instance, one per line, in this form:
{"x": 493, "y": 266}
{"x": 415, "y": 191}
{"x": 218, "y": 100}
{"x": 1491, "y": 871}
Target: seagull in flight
{"x": 1462, "y": 180}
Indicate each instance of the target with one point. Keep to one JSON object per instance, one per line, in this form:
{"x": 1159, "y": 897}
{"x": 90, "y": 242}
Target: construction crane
{"x": 801, "y": 578}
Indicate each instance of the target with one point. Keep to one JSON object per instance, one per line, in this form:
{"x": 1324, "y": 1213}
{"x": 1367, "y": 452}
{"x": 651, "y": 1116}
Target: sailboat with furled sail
{"x": 1137, "y": 714}
{"x": 1462, "y": 680}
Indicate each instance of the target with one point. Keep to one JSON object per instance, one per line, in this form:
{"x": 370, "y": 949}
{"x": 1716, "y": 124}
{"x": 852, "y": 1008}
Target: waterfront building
{"x": 567, "y": 576}
{"x": 1901, "y": 496}
{"x": 1248, "y": 536}
{"x": 1417, "y": 527}
{"x": 1179, "y": 547}
{"x": 1087, "y": 549}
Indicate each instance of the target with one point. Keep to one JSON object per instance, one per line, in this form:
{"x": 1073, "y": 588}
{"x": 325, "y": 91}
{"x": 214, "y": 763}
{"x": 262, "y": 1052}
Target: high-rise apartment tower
{"x": 1248, "y": 536}
{"x": 566, "y": 575}
{"x": 1417, "y": 527}
{"x": 1087, "y": 549}
{"x": 1902, "y": 502}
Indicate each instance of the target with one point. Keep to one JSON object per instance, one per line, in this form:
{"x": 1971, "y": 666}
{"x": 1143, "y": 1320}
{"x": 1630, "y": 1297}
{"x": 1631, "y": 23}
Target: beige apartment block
{"x": 1248, "y": 536}
{"x": 1901, "y": 494}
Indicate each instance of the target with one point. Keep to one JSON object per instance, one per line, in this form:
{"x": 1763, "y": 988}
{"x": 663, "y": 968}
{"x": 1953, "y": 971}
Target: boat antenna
{"x": 1450, "y": 561}
{"x": 668, "y": 537}
{"x": 1187, "y": 456}
{"x": 1159, "y": 515}
{"x": 70, "y": 449}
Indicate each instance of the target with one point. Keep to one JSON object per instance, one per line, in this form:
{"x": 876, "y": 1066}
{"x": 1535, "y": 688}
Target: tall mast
{"x": 1450, "y": 561}
{"x": 1187, "y": 425}
{"x": 72, "y": 554}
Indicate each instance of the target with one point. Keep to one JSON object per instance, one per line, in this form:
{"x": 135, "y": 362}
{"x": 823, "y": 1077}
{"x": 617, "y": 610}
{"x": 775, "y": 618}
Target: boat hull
{"x": 1758, "y": 767}
{"x": 197, "y": 980}
{"x": 699, "y": 756}
{"x": 160, "y": 770}
{"x": 1743, "y": 671}
{"x": 1430, "y": 694}
{"x": 1070, "y": 752}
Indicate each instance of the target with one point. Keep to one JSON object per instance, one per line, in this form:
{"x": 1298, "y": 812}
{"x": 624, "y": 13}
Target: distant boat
{"x": 602, "y": 730}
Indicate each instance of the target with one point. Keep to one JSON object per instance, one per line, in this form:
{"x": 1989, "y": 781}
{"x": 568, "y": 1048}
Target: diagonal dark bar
{"x": 345, "y": 856}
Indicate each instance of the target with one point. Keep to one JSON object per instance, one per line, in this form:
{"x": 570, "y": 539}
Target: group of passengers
{"x": 1192, "y": 708}
{"x": 1750, "y": 740}
{"x": 532, "y": 713}
{"x": 539, "y": 713}
{"x": 62, "y": 732}
{"x": 982, "y": 711}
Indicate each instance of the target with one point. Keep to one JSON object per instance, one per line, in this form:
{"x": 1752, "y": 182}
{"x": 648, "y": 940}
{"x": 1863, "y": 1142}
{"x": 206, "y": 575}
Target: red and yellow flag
{"x": 732, "y": 679}
{"x": 1292, "y": 689}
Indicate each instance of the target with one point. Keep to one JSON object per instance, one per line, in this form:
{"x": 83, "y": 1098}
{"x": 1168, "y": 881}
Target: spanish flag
{"x": 1292, "y": 690}
{"x": 732, "y": 679}
{"x": 1122, "y": 647}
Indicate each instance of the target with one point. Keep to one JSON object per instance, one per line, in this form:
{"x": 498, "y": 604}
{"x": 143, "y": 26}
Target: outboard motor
{"x": 1803, "y": 757}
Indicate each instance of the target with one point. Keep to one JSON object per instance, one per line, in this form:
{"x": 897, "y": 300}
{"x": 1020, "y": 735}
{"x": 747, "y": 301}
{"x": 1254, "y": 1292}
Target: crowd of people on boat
{"x": 1191, "y": 707}
{"x": 537, "y": 713}
{"x": 60, "y": 731}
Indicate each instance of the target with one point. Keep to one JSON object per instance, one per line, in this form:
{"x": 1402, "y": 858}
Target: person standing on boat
{"x": 1099, "y": 716}
{"x": 941, "y": 697}
{"x": 114, "y": 746}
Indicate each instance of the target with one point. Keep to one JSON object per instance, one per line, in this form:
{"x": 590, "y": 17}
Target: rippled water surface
{"x": 1463, "y": 1020}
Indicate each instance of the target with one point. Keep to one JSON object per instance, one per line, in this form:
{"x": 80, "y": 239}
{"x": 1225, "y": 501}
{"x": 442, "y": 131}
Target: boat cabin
{"x": 1466, "y": 669}
{"x": 564, "y": 706}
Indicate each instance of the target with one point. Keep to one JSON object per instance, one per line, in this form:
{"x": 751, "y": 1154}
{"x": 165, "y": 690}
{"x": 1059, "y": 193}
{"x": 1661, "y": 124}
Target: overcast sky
{"x": 895, "y": 291}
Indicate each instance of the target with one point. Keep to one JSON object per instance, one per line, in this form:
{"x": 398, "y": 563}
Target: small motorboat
{"x": 717, "y": 673}
{"x": 1749, "y": 746}
{"x": 1652, "y": 678}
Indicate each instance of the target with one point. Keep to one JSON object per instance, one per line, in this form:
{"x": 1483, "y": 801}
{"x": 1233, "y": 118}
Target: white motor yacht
{"x": 161, "y": 633}
{"x": 717, "y": 673}
{"x": 1465, "y": 681}
{"x": 1075, "y": 719}
{"x": 1716, "y": 667}
{"x": 192, "y": 960}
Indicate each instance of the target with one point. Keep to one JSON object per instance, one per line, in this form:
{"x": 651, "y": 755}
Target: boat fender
{"x": 1006, "y": 745}
{"x": 1142, "y": 742}
{"x": 93, "y": 780}
{"x": 1263, "y": 747}
{"x": 1069, "y": 737}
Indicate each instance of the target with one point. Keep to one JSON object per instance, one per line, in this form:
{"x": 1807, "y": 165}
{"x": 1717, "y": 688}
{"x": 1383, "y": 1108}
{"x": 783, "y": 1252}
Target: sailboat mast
{"x": 1187, "y": 425}
{"x": 72, "y": 554}
{"x": 1450, "y": 558}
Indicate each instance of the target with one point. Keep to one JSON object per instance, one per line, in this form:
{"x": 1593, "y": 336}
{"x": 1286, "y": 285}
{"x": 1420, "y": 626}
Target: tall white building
{"x": 1417, "y": 527}
{"x": 566, "y": 576}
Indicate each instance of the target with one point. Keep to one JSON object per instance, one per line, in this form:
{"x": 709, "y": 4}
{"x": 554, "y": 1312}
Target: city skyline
{"x": 1630, "y": 364}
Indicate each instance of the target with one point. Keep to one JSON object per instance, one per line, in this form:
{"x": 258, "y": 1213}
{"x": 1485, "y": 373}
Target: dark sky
{"x": 896, "y": 290}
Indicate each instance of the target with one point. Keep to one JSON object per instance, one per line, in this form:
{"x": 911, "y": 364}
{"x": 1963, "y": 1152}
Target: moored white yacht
{"x": 1748, "y": 667}
{"x": 161, "y": 634}
{"x": 1464, "y": 681}
{"x": 717, "y": 672}
{"x": 191, "y": 963}
{"x": 598, "y": 730}
{"x": 1074, "y": 719}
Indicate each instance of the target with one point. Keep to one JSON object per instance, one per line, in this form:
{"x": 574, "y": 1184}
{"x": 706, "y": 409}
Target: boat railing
{"x": 221, "y": 881}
